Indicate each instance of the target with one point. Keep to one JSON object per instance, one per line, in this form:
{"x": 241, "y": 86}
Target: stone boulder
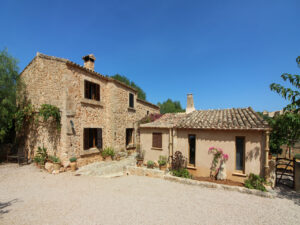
{"x": 49, "y": 167}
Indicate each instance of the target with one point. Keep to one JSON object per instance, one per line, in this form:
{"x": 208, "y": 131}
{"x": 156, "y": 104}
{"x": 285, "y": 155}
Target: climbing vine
{"x": 28, "y": 114}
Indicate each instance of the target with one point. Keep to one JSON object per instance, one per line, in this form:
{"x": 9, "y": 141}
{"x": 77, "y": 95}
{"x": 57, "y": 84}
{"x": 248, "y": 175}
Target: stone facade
{"x": 60, "y": 82}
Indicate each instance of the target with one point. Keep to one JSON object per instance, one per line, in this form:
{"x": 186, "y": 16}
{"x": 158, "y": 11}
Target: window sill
{"x": 91, "y": 102}
{"x": 239, "y": 174}
{"x": 154, "y": 148}
{"x": 131, "y": 109}
{"x": 130, "y": 146}
{"x": 89, "y": 151}
{"x": 192, "y": 167}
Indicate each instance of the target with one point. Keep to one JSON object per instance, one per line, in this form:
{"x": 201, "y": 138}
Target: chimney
{"x": 89, "y": 61}
{"x": 190, "y": 104}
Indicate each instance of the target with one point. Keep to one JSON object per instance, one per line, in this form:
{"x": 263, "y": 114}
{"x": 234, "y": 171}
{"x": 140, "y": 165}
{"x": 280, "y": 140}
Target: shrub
{"x": 37, "y": 159}
{"x": 162, "y": 160}
{"x": 73, "y": 159}
{"x": 42, "y": 154}
{"x": 297, "y": 156}
{"x": 46, "y": 111}
{"x": 54, "y": 159}
{"x": 108, "y": 151}
{"x": 178, "y": 161}
{"x": 255, "y": 182}
{"x": 150, "y": 164}
{"x": 181, "y": 173}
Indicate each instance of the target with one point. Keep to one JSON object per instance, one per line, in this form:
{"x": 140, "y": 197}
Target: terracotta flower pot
{"x": 73, "y": 166}
{"x": 107, "y": 158}
{"x": 56, "y": 166}
{"x": 163, "y": 167}
{"x": 139, "y": 162}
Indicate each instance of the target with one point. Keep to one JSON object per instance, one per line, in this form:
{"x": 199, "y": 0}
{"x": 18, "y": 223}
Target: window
{"x": 129, "y": 136}
{"x": 240, "y": 151}
{"x": 192, "y": 149}
{"x": 91, "y": 90}
{"x": 92, "y": 138}
{"x": 131, "y": 100}
{"x": 157, "y": 140}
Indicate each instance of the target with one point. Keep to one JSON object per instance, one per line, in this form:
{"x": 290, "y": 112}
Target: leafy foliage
{"x": 178, "y": 161}
{"x": 255, "y": 182}
{"x": 182, "y": 173}
{"x": 54, "y": 159}
{"x": 42, "y": 154}
{"x": 150, "y": 118}
{"x": 46, "y": 111}
{"x": 73, "y": 159}
{"x": 162, "y": 160}
{"x": 292, "y": 95}
{"x": 150, "y": 164}
{"x": 8, "y": 84}
{"x": 108, "y": 151}
{"x": 125, "y": 80}
{"x": 170, "y": 106}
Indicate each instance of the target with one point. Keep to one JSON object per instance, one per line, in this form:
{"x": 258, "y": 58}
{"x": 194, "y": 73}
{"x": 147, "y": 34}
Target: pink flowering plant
{"x": 218, "y": 154}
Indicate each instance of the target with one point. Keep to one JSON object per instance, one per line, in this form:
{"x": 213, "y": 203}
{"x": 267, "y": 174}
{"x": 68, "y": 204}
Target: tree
{"x": 288, "y": 93}
{"x": 125, "y": 80}
{"x": 8, "y": 85}
{"x": 170, "y": 106}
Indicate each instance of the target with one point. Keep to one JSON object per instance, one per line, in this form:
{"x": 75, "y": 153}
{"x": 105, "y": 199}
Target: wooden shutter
{"x": 85, "y": 138}
{"x": 97, "y": 92}
{"x": 157, "y": 140}
{"x": 86, "y": 89}
{"x": 99, "y": 138}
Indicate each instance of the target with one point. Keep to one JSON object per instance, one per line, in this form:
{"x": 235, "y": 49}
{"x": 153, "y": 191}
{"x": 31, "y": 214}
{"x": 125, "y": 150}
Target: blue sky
{"x": 224, "y": 52}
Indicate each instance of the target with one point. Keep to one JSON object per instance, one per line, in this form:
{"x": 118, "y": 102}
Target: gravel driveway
{"x": 28, "y": 196}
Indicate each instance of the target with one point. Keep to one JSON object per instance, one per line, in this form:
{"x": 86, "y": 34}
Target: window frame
{"x": 131, "y": 100}
{"x": 91, "y": 91}
{"x": 190, "y": 164}
{"x": 92, "y": 134}
{"x": 159, "y": 134}
{"x": 244, "y": 154}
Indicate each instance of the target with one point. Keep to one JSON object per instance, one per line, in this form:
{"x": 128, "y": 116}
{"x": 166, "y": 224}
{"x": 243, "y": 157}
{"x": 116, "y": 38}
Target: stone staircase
{"x": 107, "y": 169}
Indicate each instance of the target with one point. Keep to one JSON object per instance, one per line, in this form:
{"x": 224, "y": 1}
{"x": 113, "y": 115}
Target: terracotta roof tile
{"x": 241, "y": 118}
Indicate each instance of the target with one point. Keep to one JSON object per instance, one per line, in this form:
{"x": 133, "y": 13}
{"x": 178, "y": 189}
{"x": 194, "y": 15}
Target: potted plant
{"x": 108, "y": 153}
{"x": 140, "y": 158}
{"x": 150, "y": 164}
{"x": 162, "y": 162}
{"x": 56, "y": 162}
{"x": 73, "y": 163}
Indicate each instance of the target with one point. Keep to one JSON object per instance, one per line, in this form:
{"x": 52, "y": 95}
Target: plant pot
{"x": 73, "y": 166}
{"x": 139, "y": 162}
{"x": 107, "y": 159}
{"x": 163, "y": 167}
{"x": 150, "y": 167}
{"x": 41, "y": 166}
{"x": 56, "y": 166}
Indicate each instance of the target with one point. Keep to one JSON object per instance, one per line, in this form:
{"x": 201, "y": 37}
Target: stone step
{"x": 107, "y": 169}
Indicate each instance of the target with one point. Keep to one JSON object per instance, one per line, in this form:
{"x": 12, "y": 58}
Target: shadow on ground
{"x": 4, "y": 205}
{"x": 288, "y": 193}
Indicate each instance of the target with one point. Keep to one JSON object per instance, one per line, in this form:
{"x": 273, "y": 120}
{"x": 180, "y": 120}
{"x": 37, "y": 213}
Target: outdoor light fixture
{"x": 72, "y": 124}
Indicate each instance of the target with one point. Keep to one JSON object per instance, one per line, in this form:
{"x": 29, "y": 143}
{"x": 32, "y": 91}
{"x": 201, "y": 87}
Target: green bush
{"x": 150, "y": 164}
{"x": 108, "y": 151}
{"x": 162, "y": 160}
{"x": 37, "y": 159}
{"x": 73, "y": 159}
{"x": 54, "y": 159}
{"x": 297, "y": 156}
{"x": 42, "y": 154}
{"x": 255, "y": 182}
{"x": 181, "y": 173}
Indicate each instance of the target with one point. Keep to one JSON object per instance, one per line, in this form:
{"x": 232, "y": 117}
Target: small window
{"x": 129, "y": 136}
{"x": 91, "y": 90}
{"x": 192, "y": 149}
{"x": 92, "y": 138}
{"x": 157, "y": 140}
{"x": 131, "y": 100}
{"x": 240, "y": 152}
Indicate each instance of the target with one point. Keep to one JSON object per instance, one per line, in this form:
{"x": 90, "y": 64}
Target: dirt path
{"x": 28, "y": 196}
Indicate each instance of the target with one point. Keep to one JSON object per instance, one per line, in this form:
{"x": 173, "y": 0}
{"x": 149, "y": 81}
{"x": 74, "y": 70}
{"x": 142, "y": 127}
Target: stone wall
{"x": 51, "y": 80}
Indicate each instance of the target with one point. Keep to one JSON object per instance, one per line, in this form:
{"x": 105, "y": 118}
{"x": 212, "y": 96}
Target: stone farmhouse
{"x": 241, "y": 133}
{"x": 96, "y": 111}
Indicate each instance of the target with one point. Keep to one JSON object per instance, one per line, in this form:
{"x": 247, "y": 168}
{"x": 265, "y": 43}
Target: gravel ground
{"x": 29, "y": 196}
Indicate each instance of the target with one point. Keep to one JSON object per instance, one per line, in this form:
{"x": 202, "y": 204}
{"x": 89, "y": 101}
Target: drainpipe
{"x": 267, "y": 155}
{"x": 170, "y": 141}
